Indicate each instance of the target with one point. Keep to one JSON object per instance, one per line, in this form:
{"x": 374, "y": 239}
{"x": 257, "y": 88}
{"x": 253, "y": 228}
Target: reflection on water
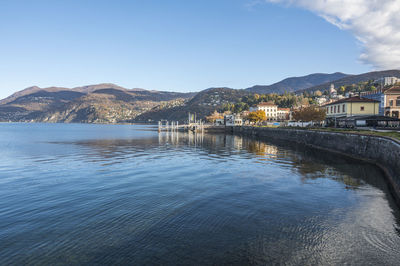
{"x": 98, "y": 194}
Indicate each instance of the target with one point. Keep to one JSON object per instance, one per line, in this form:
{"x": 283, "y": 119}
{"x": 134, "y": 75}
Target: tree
{"x": 310, "y": 113}
{"x": 240, "y": 106}
{"x": 214, "y": 116}
{"x": 305, "y": 102}
{"x": 227, "y": 107}
{"x": 318, "y": 93}
{"x": 257, "y": 116}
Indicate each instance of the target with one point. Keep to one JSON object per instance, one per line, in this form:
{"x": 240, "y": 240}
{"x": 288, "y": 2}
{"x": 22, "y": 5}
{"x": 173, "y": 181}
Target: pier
{"x": 192, "y": 124}
{"x": 164, "y": 125}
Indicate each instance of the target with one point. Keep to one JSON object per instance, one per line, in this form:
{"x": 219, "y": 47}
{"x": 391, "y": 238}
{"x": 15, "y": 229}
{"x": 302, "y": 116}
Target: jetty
{"x": 192, "y": 124}
{"x": 172, "y": 126}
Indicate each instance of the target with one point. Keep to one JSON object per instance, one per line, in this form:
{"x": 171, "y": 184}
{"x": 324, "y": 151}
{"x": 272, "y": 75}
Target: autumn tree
{"x": 257, "y": 116}
{"x": 305, "y": 102}
{"x": 318, "y": 93}
{"x": 309, "y": 113}
{"x": 214, "y": 116}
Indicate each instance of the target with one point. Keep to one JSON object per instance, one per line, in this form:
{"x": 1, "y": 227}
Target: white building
{"x": 283, "y": 114}
{"x": 270, "y": 109}
{"x": 219, "y": 122}
{"x": 233, "y": 120}
{"x": 387, "y": 81}
{"x": 321, "y": 100}
{"x": 333, "y": 91}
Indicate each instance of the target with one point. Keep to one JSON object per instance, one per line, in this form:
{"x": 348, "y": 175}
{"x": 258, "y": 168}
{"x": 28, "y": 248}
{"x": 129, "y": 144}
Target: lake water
{"x": 122, "y": 194}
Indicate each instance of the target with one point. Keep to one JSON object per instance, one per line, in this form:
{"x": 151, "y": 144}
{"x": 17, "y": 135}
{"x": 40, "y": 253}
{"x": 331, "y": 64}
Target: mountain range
{"x": 101, "y": 103}
{"x": 110, "y": 103}
{"x": 297, "y": 83}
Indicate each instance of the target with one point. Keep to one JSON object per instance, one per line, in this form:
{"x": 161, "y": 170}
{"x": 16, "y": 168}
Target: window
{"x": 391, "y": 103}
{"x": 398, "y": 101}
{"x": 334, "y": 109}
{"x": 327, "y": 110}
{"x": 344, "y": 106}
{"x": 362, "y": 108}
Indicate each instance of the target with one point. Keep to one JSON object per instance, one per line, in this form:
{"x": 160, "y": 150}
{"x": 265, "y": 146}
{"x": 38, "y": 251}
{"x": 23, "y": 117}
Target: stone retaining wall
{"x": 384, "y": 152}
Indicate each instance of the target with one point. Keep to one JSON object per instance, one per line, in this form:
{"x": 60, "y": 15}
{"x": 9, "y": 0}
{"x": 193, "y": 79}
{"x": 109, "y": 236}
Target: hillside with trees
{"x": 203, "y": 104}
{"x": 353, "y": 80}
{"x": 102, "y": 103}
{"x": 287, "y": 100}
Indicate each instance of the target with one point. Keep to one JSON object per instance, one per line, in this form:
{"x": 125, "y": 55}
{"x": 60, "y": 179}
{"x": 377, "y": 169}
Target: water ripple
{"x": 132, "y": 196}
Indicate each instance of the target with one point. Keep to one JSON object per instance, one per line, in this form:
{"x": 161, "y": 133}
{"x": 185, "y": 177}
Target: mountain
{"x": 101, "y": 103}
{"x": 28, "y": 91}
{"x": 110, "y": 103}
{"x": 296, "y": 83}
{"x": 353, "y": 79}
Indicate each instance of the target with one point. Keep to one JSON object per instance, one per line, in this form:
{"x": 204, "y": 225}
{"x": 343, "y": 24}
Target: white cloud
{"x": 375, "y": 23}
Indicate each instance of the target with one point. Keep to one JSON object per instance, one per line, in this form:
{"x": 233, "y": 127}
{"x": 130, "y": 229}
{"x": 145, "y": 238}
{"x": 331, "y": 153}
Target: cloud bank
{"x": 375, "y": 23}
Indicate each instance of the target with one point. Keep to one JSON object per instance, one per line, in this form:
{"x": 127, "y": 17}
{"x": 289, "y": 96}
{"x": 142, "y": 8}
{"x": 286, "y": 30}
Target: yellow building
{"x": 354, "y": 106}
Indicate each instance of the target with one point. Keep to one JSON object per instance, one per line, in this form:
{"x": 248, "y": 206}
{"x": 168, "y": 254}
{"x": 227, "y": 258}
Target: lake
{"x": 125, "y": 194}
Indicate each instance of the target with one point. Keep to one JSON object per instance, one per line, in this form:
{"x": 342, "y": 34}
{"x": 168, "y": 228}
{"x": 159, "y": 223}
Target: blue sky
{"x": 166, "y": 45}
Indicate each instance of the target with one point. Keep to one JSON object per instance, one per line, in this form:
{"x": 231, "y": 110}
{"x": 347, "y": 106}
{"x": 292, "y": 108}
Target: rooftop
{"x": 394, "y": 89}
{"x": 266, "y": 104}
{"x": 352, "y": 100}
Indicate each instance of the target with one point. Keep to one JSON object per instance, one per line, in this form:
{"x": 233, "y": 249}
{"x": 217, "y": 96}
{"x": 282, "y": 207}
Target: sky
{"x": 189, "y": 45}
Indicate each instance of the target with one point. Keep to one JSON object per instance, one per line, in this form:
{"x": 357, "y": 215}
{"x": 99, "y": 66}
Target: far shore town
{"x": 378, "y": 106}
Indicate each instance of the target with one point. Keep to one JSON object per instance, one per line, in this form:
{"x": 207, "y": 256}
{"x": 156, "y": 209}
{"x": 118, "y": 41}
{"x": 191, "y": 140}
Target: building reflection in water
{"x": 192, "y": 139}
{"x": 311, "y": 164}
{"x": 211, "y": 141}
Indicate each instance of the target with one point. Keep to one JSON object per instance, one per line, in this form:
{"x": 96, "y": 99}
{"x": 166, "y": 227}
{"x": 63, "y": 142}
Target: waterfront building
{"x": 233, "y": 120}
{"x": 283, "y": 114}
{"x": 392, "y": 108}
{"x": 219, "y": 122}
{"x": 270, "y": 109}
{"x": 354, "y": 106}
{"x": 389, "y": 100}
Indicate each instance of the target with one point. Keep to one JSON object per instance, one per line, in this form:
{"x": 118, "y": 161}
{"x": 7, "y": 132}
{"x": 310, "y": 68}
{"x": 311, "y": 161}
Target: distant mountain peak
{"x": 32, "y": 88}
{"x": 100, "y": 86}
{"x": 293, "y": 84}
